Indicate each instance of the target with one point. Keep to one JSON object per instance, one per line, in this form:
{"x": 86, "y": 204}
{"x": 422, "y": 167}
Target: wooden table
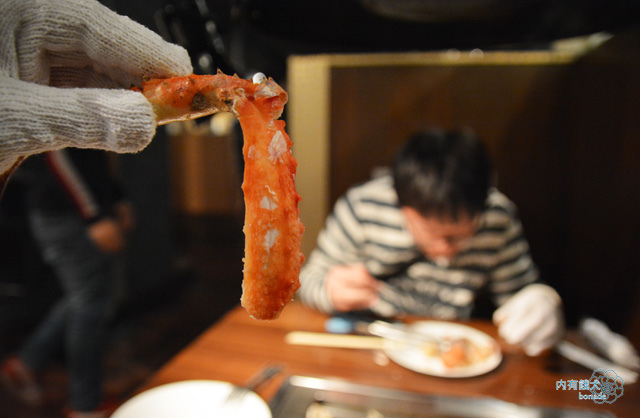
{"x": 237, "y": 347}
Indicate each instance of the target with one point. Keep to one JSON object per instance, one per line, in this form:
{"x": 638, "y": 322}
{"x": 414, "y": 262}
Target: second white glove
{"x": 532, "y": 318}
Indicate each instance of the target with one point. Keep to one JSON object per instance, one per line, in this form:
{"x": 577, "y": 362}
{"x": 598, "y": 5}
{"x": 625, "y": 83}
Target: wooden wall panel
{"x": 603, "y": 223}
{"x": 205, "y": 173}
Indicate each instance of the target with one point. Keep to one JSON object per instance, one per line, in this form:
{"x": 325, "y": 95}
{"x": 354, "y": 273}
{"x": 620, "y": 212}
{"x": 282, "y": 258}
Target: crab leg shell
{"x": 189, "y": 97}
{"x": 272, "y": 228}
{"x": 273, "y": 231}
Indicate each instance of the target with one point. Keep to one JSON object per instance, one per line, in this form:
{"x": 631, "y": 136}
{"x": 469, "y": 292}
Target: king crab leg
{"x": 273, "y": 230}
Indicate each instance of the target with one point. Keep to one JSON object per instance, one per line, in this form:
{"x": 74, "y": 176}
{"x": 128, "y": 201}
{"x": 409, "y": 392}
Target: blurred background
{"x": 551, "y": 86}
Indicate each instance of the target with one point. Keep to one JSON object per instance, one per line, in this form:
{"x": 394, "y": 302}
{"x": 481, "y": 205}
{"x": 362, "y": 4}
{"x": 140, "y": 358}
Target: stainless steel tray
{"x": 311, "y": 397}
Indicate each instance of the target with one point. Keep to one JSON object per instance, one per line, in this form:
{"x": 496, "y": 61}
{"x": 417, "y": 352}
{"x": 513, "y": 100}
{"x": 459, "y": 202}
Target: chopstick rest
{"x": 321, "y": 339}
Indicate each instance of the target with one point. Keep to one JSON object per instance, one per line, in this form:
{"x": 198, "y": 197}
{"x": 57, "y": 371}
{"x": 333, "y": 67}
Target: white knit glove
{"x": 532, "y": 318}
{"x": 47, "y": 46}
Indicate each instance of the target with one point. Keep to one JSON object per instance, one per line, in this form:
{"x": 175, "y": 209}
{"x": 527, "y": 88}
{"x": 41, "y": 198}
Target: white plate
{"x": 191, "y": 399}
{"x": 415, "y": 358}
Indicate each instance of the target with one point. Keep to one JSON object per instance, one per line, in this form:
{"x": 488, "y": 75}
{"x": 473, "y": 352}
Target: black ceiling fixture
{"x": 242, "y": 34}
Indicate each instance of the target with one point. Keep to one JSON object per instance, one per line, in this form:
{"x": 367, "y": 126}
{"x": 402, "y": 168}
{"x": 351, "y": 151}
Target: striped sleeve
{"x": 364, "y": 227}
{"x": 67, "y": 174}
{"x": 338, "y": 244}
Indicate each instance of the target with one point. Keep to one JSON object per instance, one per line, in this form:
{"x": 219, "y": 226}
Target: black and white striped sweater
{"x": 367, "y": 226}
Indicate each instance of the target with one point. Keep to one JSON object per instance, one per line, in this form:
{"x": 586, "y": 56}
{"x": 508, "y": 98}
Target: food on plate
{"x": 273, "y": 231}
{"x": 458, "y": 352}
{"x": 320, "y": 410}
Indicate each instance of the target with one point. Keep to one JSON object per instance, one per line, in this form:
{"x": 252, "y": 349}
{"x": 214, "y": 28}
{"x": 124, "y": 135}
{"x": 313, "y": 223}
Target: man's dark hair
{"x": 443, "y": 174}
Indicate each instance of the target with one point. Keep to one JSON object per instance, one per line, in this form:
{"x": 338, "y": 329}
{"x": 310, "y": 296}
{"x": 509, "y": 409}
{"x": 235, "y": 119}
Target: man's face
{"x": 437, "y": 237}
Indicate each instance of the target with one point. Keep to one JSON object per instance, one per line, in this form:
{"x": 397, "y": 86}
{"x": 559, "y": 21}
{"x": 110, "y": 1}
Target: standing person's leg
{"x": 19, "y": 371}
{"x": 86, "y": 278}
{"x": 86, "y": 338}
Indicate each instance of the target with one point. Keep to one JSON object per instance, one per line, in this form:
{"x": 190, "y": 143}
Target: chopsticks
{"x": 321, "y": 339}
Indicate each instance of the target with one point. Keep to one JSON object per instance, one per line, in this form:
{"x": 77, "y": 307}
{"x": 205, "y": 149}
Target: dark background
{"x": 244, "y": 36}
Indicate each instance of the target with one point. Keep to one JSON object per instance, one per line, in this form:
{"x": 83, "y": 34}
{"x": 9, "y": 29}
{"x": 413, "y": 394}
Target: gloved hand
{"x": 49, "y": 44}
{"x": 615, "y": 346}
{"x": 532, "y": 318}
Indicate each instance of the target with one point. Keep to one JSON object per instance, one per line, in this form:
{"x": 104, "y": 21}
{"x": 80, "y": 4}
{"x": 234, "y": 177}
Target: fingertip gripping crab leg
{"x": 189, "y": 97}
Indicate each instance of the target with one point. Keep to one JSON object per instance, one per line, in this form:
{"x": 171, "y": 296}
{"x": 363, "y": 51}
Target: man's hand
{"x": 107, "y": 235}
{"x": 351, "y": 287}
{"x": 532, "y": 318}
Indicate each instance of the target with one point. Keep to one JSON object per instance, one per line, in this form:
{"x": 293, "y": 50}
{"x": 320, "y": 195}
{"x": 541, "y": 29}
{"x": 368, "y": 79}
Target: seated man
{"x": 427, "y": 239}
